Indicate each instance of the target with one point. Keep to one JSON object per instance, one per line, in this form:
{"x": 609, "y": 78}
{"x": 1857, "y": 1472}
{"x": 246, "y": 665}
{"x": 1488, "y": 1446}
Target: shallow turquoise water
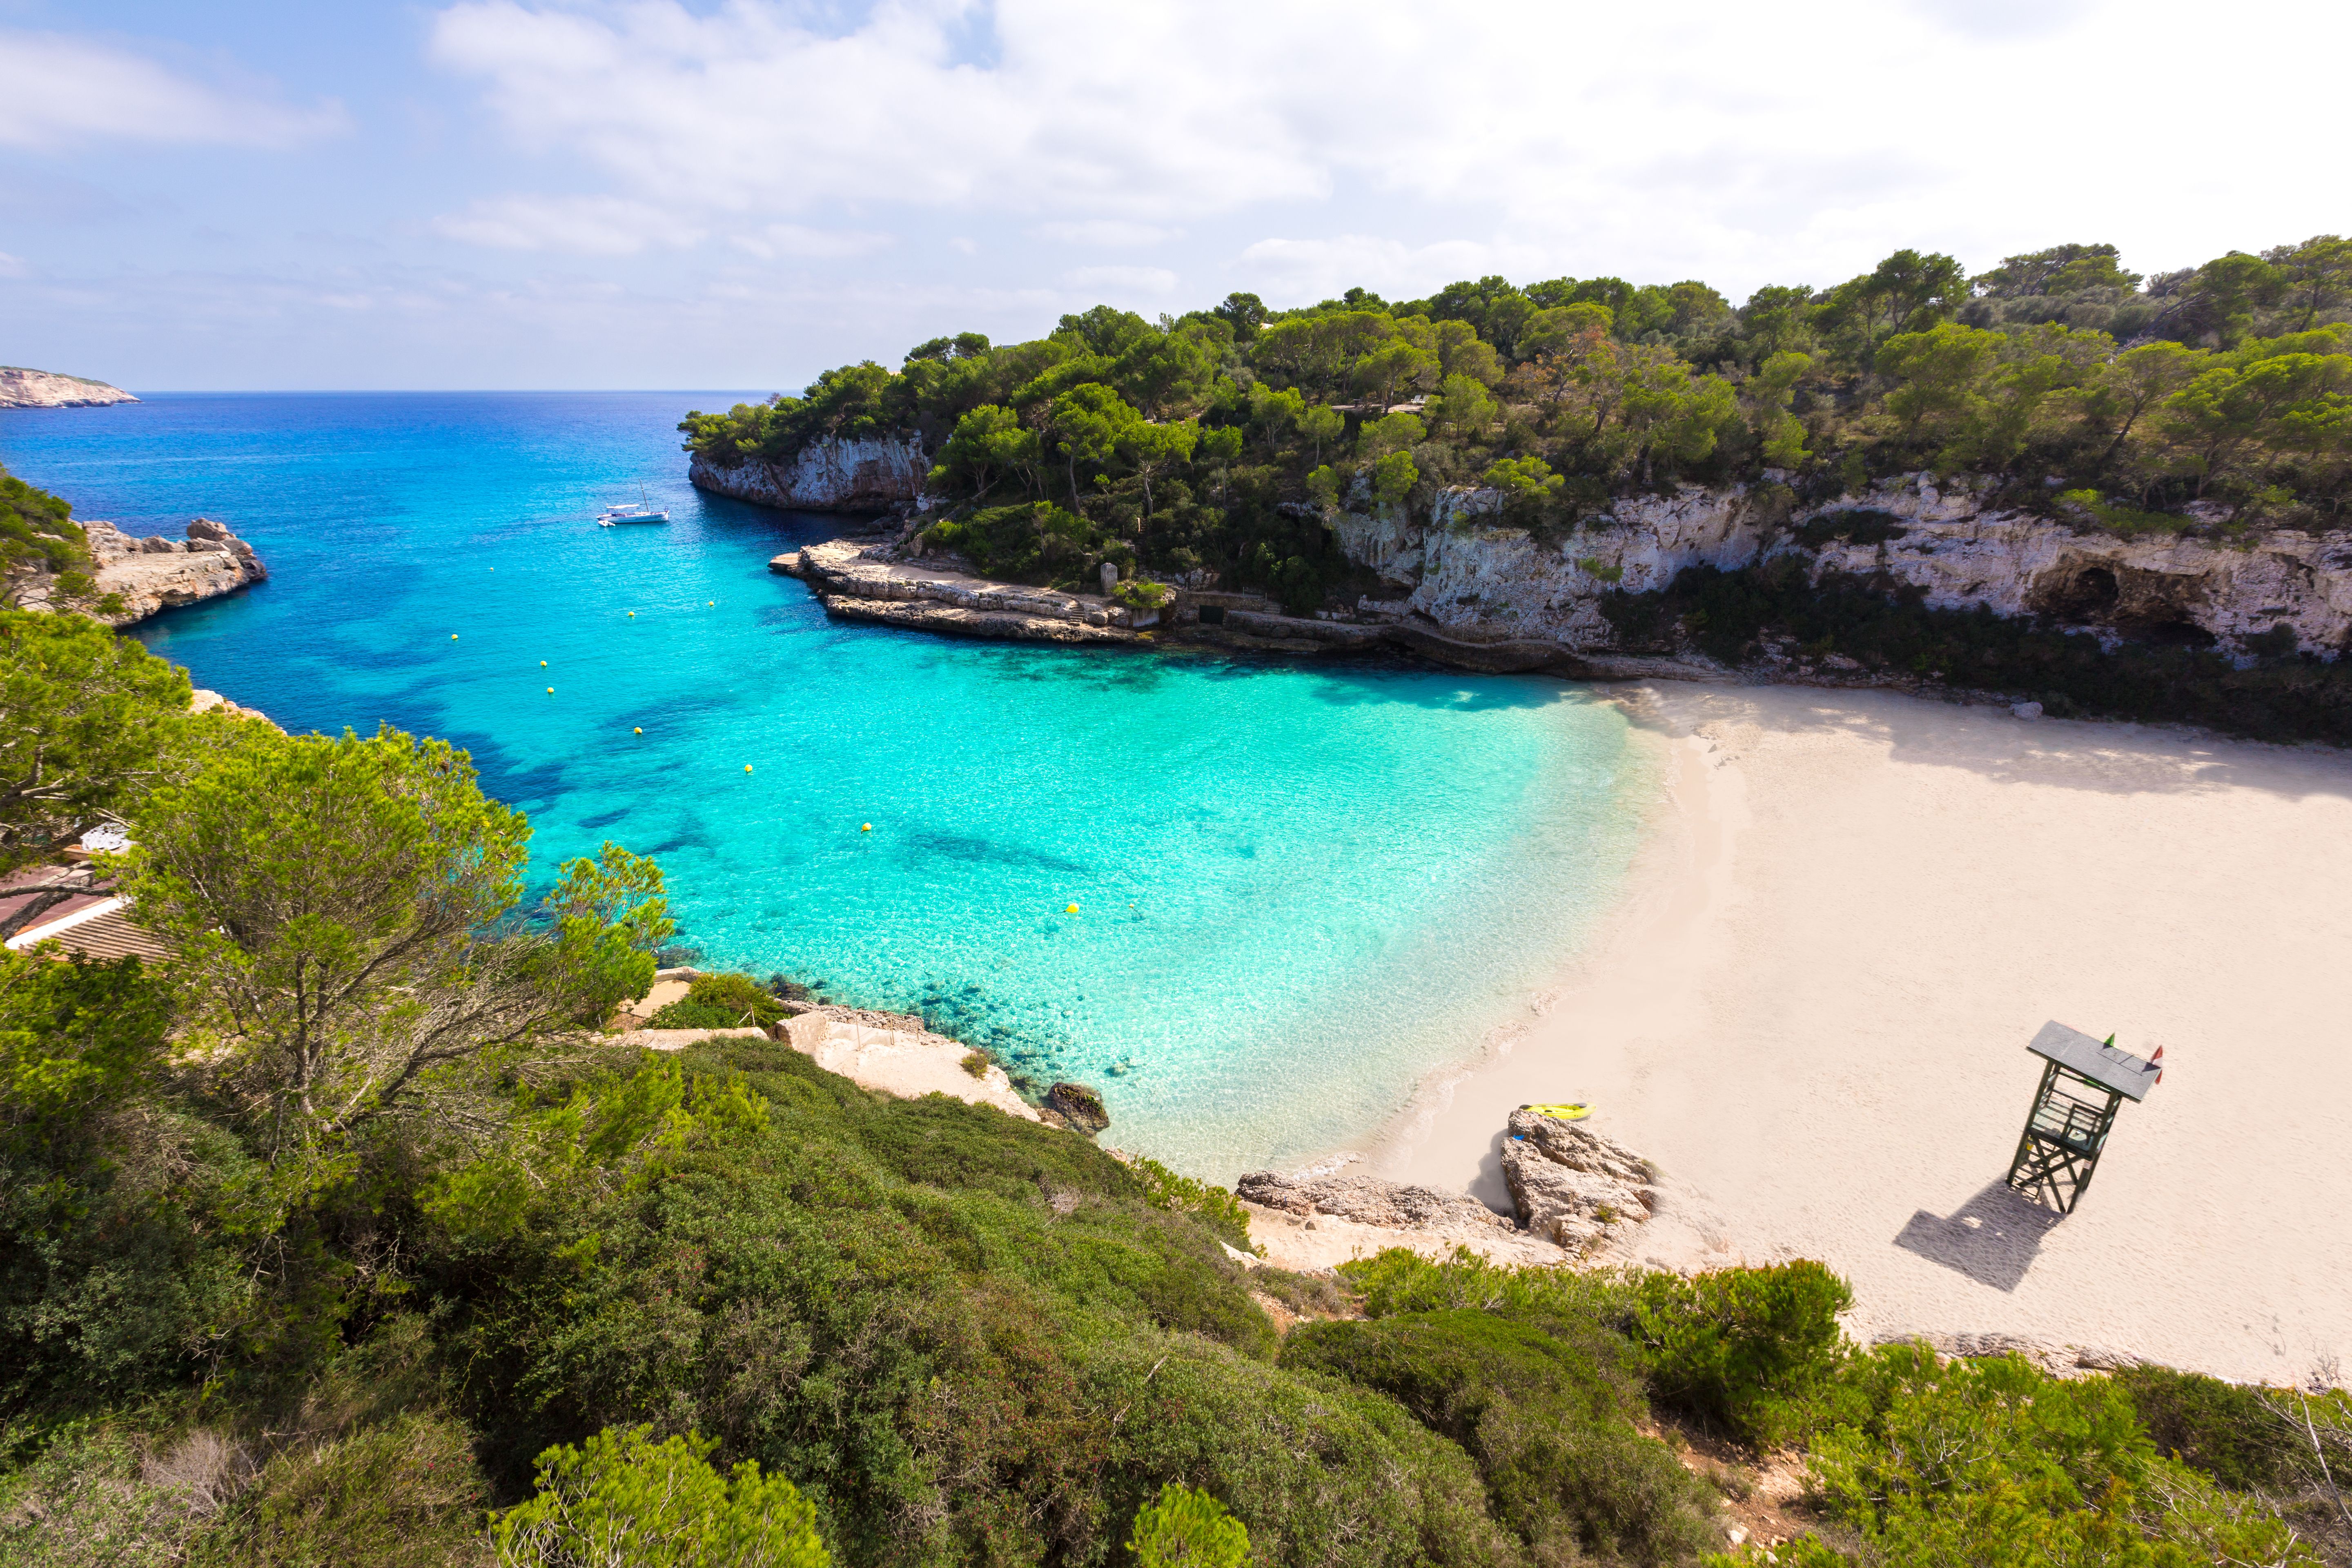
{"x": 1300, "y": 887}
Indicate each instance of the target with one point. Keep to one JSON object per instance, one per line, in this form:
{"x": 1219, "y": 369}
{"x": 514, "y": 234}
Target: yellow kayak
{"x": 1573, "y": 1111}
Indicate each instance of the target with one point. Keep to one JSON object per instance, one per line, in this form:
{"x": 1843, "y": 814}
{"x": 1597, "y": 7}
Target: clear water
{"x": 1298, "y": 888}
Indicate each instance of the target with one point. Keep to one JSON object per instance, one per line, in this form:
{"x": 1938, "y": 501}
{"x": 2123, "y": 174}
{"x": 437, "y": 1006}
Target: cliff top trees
{"x": 342, "y": 911}
{"x": 38, "y": 538}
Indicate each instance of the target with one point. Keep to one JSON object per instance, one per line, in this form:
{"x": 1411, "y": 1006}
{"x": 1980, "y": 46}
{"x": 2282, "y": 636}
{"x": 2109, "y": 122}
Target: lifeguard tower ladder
{"x": 2083, "y": 1082}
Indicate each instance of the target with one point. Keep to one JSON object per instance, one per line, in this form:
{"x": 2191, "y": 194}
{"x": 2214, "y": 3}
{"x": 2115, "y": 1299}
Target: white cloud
{"x": 13, "y": 266}
{"x": 1108, "y": 234}
{"x": 584, "y": 225}
{"x": 783, "y": 239}
{"x": 58, "y": 91}
{"x": 1120, "y": 280}
{"x": 1708, "y": 138}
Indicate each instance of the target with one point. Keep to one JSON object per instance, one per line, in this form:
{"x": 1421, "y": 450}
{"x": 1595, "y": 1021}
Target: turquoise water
{"x": 1300, "y": 887}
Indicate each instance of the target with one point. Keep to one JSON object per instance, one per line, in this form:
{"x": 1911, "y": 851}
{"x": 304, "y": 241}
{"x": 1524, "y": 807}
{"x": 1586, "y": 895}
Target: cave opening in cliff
{"x": 2083, "y": 594}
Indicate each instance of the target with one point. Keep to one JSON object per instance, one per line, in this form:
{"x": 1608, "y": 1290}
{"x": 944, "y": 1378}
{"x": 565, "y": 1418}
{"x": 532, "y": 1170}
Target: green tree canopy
{"x": 342, "y": 910}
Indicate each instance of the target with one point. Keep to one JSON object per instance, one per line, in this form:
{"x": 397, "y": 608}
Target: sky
{"x": 738, "y": 194}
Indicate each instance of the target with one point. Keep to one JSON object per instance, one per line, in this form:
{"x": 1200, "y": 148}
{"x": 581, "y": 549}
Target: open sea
{"x": 1300, "y": 887}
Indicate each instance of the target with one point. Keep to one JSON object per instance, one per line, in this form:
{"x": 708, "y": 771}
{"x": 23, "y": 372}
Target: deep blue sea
{"x": 1300, "y": 887}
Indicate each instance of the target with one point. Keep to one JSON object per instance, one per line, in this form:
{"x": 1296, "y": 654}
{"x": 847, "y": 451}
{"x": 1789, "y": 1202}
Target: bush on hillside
{"x": 1548, "y": 1418}
{"x": 1748, "y": 1347}
{"x": 1188, "y": 1529}
{"x": 2231, "y": 1433}
{"x": 721, "y": 1002}
{"x": 622, "y": 1497}
{"x": 1990, "y": 1462}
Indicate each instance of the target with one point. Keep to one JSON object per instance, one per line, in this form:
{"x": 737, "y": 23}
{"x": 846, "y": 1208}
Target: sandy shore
{"x": 1813, "y": 1014}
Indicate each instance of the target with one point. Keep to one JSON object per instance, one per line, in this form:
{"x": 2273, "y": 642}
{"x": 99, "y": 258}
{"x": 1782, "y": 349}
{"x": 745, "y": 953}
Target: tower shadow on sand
{"x": 1992, "y": 1239}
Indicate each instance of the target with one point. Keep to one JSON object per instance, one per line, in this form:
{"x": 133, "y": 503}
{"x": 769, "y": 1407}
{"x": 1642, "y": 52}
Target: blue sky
{"x": 740, "y": 193}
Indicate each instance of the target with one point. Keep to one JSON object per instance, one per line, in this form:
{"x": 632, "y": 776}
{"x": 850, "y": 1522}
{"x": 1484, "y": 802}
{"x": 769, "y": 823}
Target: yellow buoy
{"x": 542, "y": 664}
{"x": 550, "y": 691}
{"x": 866, "y": 827}
{"x": 747, "y": 767}
{"x": 638, "y": 730}
{"x": 1071, "y": 911}
{"x": 633, "y": 615}
{"x": 714, "y": 603}
{"x": 453, "y": 636}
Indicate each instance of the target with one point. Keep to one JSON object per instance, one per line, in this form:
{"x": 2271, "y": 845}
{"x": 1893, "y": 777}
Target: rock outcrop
{"x": 1368, "y": 1200}
{"x": 1467, "y": 578}
{"x": 152, "y": 572}
{"x": 1571, "y": 1184}
{"x": 1077, "y": 1108}
{"x": 906, "y": 1060}
{"x": 873, "y": 475}
{"x": 874, "y": 583}
{"x": 22, "y": 388}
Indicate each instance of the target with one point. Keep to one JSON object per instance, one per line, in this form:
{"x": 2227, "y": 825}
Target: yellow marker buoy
{"x": 866, "y": 827}
{"x": 638, "y": 730}
{"x": 714, "y": 603}
{"x": 542, "y": 664}
{"x": 633, "y": 615}
{"x": 1071, "y": 911}
{"x": 747, "y": 767}
{"x": 550, "y": 691}
{"x": 453, "y": 636}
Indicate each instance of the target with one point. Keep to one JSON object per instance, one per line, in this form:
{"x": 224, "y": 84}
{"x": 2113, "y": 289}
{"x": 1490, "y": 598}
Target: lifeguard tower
{"x": 2083, "y": 1083}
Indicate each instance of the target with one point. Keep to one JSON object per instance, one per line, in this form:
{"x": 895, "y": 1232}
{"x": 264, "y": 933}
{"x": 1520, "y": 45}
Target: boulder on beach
{"x": 1569, "y": 1183}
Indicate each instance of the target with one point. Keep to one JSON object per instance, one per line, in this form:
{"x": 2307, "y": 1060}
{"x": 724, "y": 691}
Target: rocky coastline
{"x": 23, "y": 388}
{"x": 144, "y": 575}
{"x": 1466, "y": 589}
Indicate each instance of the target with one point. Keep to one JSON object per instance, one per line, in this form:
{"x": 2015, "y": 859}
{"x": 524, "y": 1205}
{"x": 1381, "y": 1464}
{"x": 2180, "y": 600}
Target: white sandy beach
{"x": 1813, "y": 1015}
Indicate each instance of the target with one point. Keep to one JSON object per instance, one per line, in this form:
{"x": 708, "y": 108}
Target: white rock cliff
{"x": 22, "y": 388}
{"x": 1468, "y": 575}
{"x": 828, "y": 476}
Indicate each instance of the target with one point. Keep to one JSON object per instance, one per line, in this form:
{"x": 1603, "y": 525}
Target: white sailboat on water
{"x": 624, "y": 512}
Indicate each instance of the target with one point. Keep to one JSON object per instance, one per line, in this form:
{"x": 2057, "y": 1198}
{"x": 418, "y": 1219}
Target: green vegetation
{"x": 1219, "y": 440}
{"x": 39, "y": 540}
{"x": 1183, "y": 1528}
{"x": 623, "y": 1498}
{"x": 344, "y": 1238}
{"x": 721, "y": 1002}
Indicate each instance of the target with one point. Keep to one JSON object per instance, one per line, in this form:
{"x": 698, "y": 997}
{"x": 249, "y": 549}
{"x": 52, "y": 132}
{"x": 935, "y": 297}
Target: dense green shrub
{"x": 1745, "y": 1347}
{"x": 880, "y": 1299}
{"x": 1187, "y": 1528}
{"x": 622, "y": 1497}
{"x": 1548, "y": 1418}
{"x": 2233, "y": 1434}
{"x": 1212, "y": 1205}
{"x": 721, "y": 1002}
{"x": 403, "y": 1494}
{"x": 1991, "y": 1461}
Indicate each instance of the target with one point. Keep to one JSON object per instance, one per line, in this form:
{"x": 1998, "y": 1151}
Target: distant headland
{"x": 22, "y": 388}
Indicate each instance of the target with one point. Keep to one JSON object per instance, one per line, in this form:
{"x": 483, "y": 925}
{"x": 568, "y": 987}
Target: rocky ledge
{"x": 151, "y": 572}
{"x": 1574, "y": 1192}
{"x": 22, "y": 388}
{"x": 874, "y": 583}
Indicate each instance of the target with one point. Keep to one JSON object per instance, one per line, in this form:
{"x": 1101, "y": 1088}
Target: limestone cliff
{"x": 151, "y": 572}
{"x": 21, "y": 388}
{"x": 1468, "y": 576}
{"x": 827, "y": 475}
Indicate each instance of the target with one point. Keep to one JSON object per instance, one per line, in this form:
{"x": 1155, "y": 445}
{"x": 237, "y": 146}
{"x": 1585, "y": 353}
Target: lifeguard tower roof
{"x": 2102, "y": 1064}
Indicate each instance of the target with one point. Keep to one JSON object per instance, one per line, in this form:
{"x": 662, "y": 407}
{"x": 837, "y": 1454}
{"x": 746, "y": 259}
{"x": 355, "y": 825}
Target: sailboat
{"x": 624, "y": 512}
